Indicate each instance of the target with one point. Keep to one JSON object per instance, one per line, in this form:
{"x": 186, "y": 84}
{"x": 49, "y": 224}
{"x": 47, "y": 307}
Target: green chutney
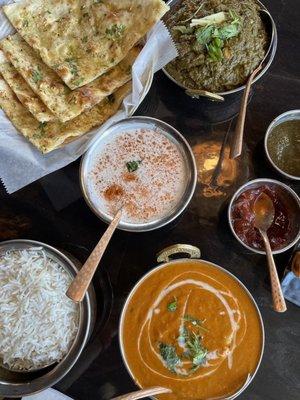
{"x": 284, "y": 146}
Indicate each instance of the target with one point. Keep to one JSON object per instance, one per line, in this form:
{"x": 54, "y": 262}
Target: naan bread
{"x": 64, "y": 103}
{"x": 24, "y": 93}
{"x": 47, "y": 136}
{"x": 82, "y": 39}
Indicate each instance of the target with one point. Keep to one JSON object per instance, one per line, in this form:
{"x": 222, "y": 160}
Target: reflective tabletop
{"x": 53, "y": 210}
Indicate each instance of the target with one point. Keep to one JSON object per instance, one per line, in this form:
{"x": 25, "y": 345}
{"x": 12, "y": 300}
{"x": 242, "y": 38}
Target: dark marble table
{"x": 53, "y": 211}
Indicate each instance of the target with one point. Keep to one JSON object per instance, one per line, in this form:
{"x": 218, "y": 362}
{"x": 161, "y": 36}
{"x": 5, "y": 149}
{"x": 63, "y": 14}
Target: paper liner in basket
{"x": 22, "y": 164}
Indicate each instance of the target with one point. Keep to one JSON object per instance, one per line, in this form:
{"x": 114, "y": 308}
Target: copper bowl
{"x": 164, "y": 257}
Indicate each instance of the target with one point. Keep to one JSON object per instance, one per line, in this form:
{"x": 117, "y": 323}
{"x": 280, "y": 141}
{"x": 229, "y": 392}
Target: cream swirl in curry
{"x": 193, "y": 328}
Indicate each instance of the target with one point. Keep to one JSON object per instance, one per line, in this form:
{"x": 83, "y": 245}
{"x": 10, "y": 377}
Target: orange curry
{"x": 193, "y": 328}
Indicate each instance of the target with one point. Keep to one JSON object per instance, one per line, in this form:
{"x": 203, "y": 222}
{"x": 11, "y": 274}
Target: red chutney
{"x": 242, "y": 217}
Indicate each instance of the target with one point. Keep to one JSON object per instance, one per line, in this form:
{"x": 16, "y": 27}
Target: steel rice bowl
{"x": 268, "y": 61}
{"x": 175, "y": 137}
{"x": 182, "y": 260}
{"x": 24, "y": 383}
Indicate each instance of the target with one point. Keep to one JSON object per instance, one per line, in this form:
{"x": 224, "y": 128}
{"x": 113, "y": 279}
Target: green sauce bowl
{"x": 281, "y": 147}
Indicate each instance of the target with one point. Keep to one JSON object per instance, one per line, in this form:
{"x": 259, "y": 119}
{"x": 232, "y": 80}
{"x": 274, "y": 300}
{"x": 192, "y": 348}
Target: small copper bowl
{"x": 164, "y": 257}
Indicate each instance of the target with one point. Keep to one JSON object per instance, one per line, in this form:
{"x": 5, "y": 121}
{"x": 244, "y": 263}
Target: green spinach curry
{"x": 220, "y": 43}
{"x": 284, "y": 146}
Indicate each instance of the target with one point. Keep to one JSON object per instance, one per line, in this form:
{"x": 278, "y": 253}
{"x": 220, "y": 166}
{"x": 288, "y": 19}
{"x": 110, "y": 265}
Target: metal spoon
{"x": 264, "y": 213}
{"x": 81, "y": 282}
{"x": 237, "y": 139}
{"x": 195, "y": 93}
{"x": 140, "y": 394}
{"x": 218, "y": 169}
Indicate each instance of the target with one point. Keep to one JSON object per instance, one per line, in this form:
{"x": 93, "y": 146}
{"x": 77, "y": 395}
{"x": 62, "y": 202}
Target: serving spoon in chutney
{"x": 264, "y": 213}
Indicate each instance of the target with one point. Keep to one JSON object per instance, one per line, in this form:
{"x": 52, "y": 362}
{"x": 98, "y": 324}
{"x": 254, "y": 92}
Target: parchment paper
{"x": 21, "y": 163}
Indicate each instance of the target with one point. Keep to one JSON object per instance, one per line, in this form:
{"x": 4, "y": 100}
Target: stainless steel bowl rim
{"x": 182, "y": 260}
{"x": 276, "y": 121}
{"x": 149, "y": 226}
{"x": 240, "y": 191}
{"x": 271, "y": 56}
{"x": 50, "y": 378}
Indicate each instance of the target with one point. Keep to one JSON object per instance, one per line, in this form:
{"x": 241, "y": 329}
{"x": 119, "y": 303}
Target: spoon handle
{"x": 237, "y": 141}
{"x": 278, "y": 299}
{"x": 81, "y": 282}
{"x": 140, "y": 394}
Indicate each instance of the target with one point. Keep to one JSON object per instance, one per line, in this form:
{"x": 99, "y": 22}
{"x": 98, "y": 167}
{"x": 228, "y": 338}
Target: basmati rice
{"x": 38, "y": 323}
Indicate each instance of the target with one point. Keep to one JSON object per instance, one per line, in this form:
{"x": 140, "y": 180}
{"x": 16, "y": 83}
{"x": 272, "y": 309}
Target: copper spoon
{"x": 264, "y": 213}
{"x": 237, "y": 142}
{"x": 140, "y": 394}
{"x": 81, "y": 282}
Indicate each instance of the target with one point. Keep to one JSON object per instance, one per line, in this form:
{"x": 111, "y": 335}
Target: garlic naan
{"x": 64, "y": 103}
{"x": 82, "y": 39}
{"x": 47, "y": 136}
{"x": 24, "y": 93}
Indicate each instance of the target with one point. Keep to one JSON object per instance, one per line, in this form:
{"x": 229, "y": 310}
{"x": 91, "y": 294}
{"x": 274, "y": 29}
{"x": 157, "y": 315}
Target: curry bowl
{"x": 270, "y": 52}
{"x": 14, "y": 383}
{"x": 283, "y": 234}
{"x": 196, "y": 325}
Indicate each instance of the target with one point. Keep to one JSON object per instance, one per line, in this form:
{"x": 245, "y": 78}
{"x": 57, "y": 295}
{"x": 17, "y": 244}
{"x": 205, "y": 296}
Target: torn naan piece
{"x": 82, "y": 39}
{"x": 47, "y": 136}
{"x": 24, "y": 92}
{"x": 64, "y": 103}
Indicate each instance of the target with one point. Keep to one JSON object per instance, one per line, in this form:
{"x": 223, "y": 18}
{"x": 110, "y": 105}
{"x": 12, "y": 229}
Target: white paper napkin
{"x": 49, "y": 394}
{"x": 21, "y": 163}
{"x": 291, "y": 288}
